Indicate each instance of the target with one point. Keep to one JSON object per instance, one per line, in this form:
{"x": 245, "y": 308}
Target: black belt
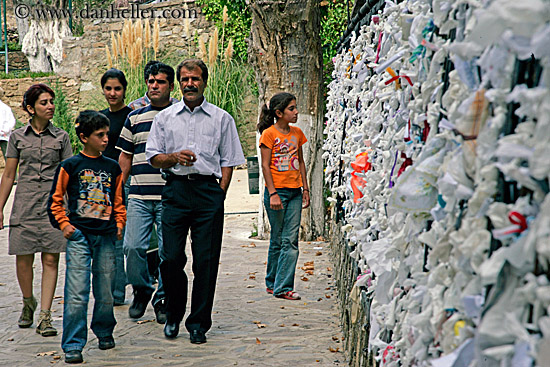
{"x": 191, "y": 177}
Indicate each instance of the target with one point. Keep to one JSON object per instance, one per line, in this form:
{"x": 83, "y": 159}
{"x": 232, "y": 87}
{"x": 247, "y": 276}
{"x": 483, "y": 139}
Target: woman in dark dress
{"x": 113, "y": 84}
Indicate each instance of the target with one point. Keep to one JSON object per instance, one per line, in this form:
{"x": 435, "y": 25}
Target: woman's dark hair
{"x": 278, "y": 102}
{"x": 31, "y": 95}
{"x": 89, "y": 121}
{"x": 114, "y": 74}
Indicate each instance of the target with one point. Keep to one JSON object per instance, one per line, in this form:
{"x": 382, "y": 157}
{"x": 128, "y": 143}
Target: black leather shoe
{"x": 171, "y": 329}
{"x": 106, "y": 342}
{"x": 73, "y": 356}
{"x": 160, "y": 312}
{"x": 139, "y": 303}
{"x": 197, "y": 337}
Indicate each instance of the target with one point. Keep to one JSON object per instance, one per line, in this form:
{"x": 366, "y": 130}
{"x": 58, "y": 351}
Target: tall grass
{"x": 130, "y": 49}
{"x": 229, "y": 81}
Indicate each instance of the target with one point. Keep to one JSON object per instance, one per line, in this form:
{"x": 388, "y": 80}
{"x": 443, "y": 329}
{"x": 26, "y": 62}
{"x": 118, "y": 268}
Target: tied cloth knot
{"x": 519, "y": 224}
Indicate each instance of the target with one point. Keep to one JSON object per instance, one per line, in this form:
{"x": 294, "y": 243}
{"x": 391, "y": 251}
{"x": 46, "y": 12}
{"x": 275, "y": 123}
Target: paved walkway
{"x": 250, "y": 328}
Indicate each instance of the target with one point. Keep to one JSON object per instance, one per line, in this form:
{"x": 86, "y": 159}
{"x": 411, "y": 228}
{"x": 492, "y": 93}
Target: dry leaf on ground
{"x": 261, "y": 326}
{"x": 144, "y": 321}
{"x": 304, "y": 279}
{"x": 333, "y": 350}
{"x": 258, "y": 341}
{"x": 50, "y": 353}
{"x": 318, "y": 253}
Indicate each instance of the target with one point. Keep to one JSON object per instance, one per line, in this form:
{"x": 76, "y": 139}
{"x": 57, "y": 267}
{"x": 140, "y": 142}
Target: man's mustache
{"x": 190, "y": 89}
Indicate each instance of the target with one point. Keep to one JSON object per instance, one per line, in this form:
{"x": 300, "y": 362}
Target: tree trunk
{"x": 43, "y": 39}
{"x": 285, "y": 51}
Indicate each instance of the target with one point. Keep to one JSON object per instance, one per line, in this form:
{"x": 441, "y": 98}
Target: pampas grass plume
{"x": 114, "y": 46}
{"x": 121, "y": 50}
{"x": 156, "y": 34}
{"x": 109, "y": 59}
{"x": 229, "y": 50}
{"x": 213, "y": 48}
{"x": 225, "y": 17}
{"x": 202, "y": 49}
{"x": 147, "y": 34}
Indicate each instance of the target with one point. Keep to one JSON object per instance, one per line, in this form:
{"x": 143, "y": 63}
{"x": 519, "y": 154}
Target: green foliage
{"x": 14, "y": 46}
{"x": 229, "y": 83}
{"x": 64, "y": 118}
{"x": 254, "y": 232}
{"x": 334, "y": 19}
{"x": 334, "y": 16}
{"x": 237, "y": 26}
{"x": 24, "y": 74}
{"x": 18, "y": 124}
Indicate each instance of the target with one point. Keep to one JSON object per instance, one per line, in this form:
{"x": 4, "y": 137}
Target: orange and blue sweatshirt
{"x": 94, "y": 189}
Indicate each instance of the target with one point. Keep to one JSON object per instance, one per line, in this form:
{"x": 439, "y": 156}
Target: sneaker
{"x": 139, "y": 303}
{"x": 160, "y": 312}
{"x": 106, "y": 342}
{"x": 45, "y": 327}
{"x": 73, "y": 356}
{"x": 291, "y": 295}
{"x": 27, "y": 314}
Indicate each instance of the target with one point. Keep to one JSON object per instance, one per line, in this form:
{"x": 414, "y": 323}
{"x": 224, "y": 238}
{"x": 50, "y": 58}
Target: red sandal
{"x": 269, "y": 290}
{"x": 291, "y": 295}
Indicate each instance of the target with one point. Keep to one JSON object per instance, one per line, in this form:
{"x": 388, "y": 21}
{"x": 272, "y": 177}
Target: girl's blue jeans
{"x": 88, "y": 256}
{"x": 283, "y": 243}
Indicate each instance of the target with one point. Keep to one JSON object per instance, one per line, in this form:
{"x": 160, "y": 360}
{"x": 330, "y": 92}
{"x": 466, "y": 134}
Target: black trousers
{"x": 194, "y": 205}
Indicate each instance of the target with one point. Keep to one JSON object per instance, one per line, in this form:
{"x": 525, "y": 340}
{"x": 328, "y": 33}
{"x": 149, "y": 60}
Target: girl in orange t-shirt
{"x": 286, "y": 191}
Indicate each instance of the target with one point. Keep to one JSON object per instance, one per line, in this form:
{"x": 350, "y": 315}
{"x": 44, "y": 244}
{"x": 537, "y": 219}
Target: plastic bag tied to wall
{"x": 452, "y": 101}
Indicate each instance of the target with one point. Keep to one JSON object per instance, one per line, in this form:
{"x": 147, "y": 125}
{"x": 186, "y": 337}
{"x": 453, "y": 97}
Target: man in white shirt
{"x": 196, "y": 144}
{"x": 7, "y": 122}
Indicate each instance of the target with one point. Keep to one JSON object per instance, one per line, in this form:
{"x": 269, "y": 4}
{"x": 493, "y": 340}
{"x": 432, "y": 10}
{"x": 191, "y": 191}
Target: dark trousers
{"x": 197, "y": 206}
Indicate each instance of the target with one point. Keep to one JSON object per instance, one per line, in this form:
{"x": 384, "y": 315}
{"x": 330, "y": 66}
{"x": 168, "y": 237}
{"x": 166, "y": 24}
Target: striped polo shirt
{"x": 147, "y": 182}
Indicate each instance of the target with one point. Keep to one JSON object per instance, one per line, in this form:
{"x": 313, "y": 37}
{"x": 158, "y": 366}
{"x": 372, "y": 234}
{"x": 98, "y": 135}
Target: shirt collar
{"x": 205, "y": 106}
{"x": 52, "y": 130}
{"x": 146, "y": 99}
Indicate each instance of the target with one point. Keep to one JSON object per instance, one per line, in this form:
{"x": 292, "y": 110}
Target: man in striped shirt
{"x": 144, "y": 200}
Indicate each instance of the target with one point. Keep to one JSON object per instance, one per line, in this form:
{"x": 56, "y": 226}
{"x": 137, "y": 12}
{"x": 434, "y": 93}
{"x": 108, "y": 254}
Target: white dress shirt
{"x": 7, "y": 121}
{"x": 208, "y": 131}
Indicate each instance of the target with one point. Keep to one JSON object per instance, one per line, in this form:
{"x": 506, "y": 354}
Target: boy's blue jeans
{"x": 87, "y": 255}
{"x": 283, "y": 242}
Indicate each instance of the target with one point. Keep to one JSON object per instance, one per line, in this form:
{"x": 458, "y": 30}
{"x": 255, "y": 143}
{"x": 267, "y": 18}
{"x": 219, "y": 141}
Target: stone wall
{"x": 353, "y": 318}
{"x": 85, "y": 56}
{"x": 16, "y": 61}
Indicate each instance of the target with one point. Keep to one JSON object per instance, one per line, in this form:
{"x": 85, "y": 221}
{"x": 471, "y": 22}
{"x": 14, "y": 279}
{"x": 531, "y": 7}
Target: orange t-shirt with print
{"x": 285, "y": 167}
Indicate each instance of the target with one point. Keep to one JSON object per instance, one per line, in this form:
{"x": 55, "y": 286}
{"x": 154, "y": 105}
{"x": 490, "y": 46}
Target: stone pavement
{"x": 250, "y": 327}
